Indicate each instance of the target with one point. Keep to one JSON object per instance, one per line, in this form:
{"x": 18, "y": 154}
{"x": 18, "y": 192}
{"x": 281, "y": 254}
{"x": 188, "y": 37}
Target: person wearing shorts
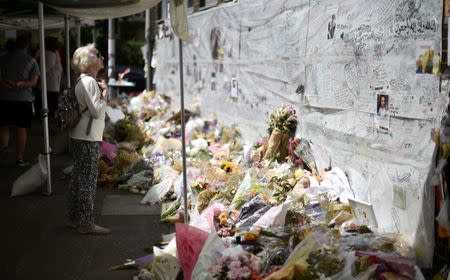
{"x": 19, "y": 72}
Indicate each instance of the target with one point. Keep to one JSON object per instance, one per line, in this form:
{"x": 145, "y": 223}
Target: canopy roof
{"x": 85, "y": 9}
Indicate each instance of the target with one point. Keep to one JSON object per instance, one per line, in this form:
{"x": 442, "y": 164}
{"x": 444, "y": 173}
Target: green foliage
{"x": 128, "y": 43}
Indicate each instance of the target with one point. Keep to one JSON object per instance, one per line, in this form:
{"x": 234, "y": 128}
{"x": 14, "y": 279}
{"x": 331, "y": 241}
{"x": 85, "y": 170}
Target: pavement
{"x": 35, "y": 244}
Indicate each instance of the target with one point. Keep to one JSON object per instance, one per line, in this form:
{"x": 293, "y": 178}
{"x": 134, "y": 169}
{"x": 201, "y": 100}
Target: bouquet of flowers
{"x": 243, "y": 266}
{"x": 283, "y": 120}
{"x": 225, "y": 223}
{"x": 199, "y": 185}
{"x": 301, "y": 154}
{"x": 282, "y": 123}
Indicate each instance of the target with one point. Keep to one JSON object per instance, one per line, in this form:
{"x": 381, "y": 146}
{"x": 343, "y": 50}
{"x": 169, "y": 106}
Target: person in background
{"x": 19, "y": 72}
{"x": 86, "y": 137}
{"x": 53, "y": 70}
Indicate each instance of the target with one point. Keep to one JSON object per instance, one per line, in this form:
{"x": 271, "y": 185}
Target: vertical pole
{"x": 68, "y": 79}
{"x": 44, "y": 97}
{"x": 183, "y": 137}
{"x": 111, "y": 54}
{"x": 164, "y": 9}
{"x": 147, "y": 53}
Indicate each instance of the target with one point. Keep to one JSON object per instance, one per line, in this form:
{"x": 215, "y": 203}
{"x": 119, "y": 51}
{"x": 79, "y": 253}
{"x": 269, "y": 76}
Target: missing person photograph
{"x": 382, "y": 118}
{"x": 234, "y": 88}
{"x": 382, "y": 105}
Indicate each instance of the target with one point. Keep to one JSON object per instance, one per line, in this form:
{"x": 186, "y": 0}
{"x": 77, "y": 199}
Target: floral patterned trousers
{"x": 81, "y": 195}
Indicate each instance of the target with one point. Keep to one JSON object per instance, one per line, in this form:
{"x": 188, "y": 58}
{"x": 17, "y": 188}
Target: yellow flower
{"x": 227, "y": 166}
{"x": 299, "y": 173}
{"x": 223, "y": 217}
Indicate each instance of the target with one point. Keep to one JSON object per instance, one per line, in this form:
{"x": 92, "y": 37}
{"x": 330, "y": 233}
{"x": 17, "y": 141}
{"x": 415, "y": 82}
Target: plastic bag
{"x": 158, "y": 191}
{"x": 114, "y": 114}
{"x": 249, "y": 208}
{"x": 170, "y": 249}
{"x": 248, "y": 222}
{"x": 190, "y": 241}
{"x": 274, "y": 218}
{"x": 212, "y": 250}
{"x": 192, "y": 174}
{"x": 239, "y": 197}
{"x": 32, "y": 179}
{"x": 321, "y": 158}
{"x": 335, "y": 183}
{"x": 164, "y": 267}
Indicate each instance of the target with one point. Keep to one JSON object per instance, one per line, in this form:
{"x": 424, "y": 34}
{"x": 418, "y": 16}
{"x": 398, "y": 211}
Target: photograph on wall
{"x": 234, "y": 89}
{"x": 382, "y": 104}
{"x": 382, "y": 118}
{"x": 428, "y": 59}
{"x": 331, "y": 22}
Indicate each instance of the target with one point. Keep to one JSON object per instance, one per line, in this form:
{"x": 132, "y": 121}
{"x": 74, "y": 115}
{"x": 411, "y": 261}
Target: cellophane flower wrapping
{"x": 212, "y": 250}
{"x": 190, "y": 241}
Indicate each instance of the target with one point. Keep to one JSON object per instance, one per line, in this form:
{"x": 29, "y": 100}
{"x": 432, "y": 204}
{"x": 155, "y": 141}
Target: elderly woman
{"x": 85, "y": 138}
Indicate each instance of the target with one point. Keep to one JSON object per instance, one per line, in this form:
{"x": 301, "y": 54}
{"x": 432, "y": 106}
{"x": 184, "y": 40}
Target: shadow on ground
{"x": 35, "y": 244}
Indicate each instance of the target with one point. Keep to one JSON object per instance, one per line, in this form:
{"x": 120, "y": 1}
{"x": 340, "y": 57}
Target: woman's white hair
{"x": 83, "y": 58}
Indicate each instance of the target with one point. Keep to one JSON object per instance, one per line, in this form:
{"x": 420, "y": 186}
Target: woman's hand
{"x": 102, "y": 84}
{"x": 104, "y": 88}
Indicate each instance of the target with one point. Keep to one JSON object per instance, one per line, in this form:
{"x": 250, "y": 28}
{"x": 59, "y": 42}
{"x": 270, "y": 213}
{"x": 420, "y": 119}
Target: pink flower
{"x": 234, "y": 265}
{"x": 215, "y": 269}
{"x": 245, "y": 272}
{"x": 234, "y": 274}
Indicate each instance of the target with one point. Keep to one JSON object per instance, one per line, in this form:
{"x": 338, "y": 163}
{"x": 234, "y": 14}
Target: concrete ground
{"x": 35, "y": 244}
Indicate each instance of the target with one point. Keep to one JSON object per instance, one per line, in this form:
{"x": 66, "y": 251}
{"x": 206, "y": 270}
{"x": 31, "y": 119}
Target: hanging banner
{"x": 363, "y": 76}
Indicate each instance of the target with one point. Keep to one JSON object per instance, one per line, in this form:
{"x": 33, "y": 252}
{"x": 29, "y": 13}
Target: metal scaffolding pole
{"x": 44, "y": 97}
{"x": 148, "y": 39}
{"x": 111, "y": 54}
{"x": 183, "y": 136}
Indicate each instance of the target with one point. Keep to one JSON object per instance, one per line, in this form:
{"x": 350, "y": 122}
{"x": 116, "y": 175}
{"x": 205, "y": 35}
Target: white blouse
{"x": 89, "y": 95}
